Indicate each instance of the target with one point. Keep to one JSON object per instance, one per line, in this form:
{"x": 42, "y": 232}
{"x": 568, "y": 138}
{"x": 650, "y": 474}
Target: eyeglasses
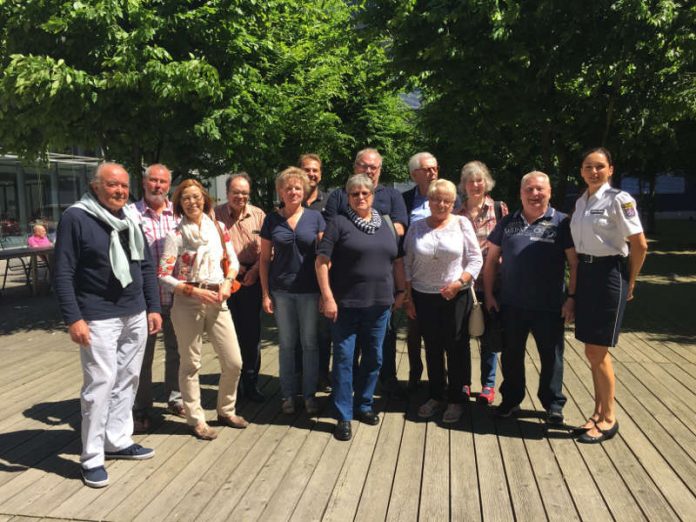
{"x": 192, "y": 199}
{"x": 440, "y": 201}
{"x": 367, "y": 166}
{"x": 238, "y": 193}
{"x": 363, "y": 193}
{"x": 429, "y": 169}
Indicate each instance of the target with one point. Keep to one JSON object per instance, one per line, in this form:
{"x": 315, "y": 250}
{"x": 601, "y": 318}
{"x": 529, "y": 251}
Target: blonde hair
{"x": 292, "y": 173}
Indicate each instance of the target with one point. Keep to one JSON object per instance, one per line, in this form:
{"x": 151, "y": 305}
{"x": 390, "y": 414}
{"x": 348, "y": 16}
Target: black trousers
{"x": 445, "y": 329}
{"x": 245, "y": 307}
{"x": 547, "y": 330}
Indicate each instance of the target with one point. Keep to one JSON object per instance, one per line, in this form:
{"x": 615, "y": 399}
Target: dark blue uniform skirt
{"x": 600, "y": 300}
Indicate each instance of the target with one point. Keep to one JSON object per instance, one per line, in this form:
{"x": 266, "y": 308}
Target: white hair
{"x": 415, "y": 162}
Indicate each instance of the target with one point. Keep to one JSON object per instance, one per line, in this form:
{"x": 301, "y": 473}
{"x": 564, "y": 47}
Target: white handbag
{"x": 476, "y": 324}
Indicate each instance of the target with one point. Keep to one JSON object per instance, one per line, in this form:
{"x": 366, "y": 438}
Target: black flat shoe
{"x": 586, "y": 438}
{"x": 368, "y": 417}
{"x": 343, "y": 431}
{"x": 254, "y": 395}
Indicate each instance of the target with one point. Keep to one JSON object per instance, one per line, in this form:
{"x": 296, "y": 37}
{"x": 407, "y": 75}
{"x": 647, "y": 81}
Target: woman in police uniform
{"x": 605, "y": 219}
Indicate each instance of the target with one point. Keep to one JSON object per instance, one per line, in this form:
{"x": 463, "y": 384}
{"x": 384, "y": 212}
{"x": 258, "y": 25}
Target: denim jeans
{"x": 370, "y": 324}
{"x": 547, "y": 330}
{"x": 297, "y": 317}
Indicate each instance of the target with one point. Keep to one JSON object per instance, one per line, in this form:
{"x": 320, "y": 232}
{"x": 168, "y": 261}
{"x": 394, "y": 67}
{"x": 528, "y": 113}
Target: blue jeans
{"x": 297, "y": 317}
{"x": 370, "y": 324}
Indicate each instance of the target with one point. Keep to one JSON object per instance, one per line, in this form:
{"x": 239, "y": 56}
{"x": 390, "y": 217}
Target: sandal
{"x": 582, "y": 429}
{"x": 586, "y": 438}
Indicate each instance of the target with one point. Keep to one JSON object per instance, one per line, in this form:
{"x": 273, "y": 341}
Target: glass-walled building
{"x": 30, "y": 194}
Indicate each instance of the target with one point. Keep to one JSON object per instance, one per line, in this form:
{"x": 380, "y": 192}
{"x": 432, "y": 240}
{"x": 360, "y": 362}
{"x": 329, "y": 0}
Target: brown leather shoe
{"x": 204, "y": 432}
{"x": 233, "y": 421}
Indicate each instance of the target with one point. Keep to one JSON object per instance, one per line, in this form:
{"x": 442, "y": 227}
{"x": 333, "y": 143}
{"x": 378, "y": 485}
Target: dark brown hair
{"x": 187, "y": 183}
{"x": 600, "y": 150}
{"x": 231, "y": 177}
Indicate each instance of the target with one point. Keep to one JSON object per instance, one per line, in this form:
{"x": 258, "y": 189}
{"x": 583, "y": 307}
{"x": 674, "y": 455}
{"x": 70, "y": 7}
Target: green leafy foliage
{"x": 204, "y": 86}
{"x": 524, "y": 84}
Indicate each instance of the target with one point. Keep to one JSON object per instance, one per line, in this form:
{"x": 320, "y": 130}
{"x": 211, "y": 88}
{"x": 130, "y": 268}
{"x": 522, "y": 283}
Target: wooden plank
{"x": 464, "y": 486}
{"x": 284, "y": 499}
{"x": 435, "y": 488}
{"x": 319, "y": 489}
{"x": 670, "y": 434}
{"x": 344, "y": 499}
{"x": 199, "y": 457}
{"x": 270, "y": 475}
{"x": 555, "y": 496}
{"x": 404, "y": 503}
{"x": 374, "y": 501}
{"x": 645, "y": 494}
{"x": 495, "y": 503}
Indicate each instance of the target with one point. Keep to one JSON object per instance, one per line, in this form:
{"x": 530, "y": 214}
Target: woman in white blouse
{"x": 199, "y": 265}
{"x": 442, "y": 260}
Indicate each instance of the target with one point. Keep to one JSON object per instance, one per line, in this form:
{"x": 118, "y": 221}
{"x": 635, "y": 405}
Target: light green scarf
{"x": 117, "y": 256}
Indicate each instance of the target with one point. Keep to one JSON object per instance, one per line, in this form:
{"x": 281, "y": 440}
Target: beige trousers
{"x": 190, "y": 319}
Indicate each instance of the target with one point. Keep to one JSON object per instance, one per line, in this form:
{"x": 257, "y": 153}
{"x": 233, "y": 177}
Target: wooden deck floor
{"x": 291, "y": 468}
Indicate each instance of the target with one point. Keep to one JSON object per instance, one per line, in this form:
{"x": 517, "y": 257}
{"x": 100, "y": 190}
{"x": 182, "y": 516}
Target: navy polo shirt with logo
{"x": 533, "y": 267}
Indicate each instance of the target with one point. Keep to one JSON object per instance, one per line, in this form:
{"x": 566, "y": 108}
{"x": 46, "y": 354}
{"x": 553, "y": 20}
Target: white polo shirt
{"x": 602, "y": 222}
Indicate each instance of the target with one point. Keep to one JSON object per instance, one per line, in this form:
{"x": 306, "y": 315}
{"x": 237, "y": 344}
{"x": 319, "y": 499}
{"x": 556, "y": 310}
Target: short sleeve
{"x": 496, "y": 235}
{"x": 329, "y": 239}
{"x": 625, "y": 212}
{"x": 398, "y": 208}
{"x": 267, "y": 227}
{"x": 566, "y": 238}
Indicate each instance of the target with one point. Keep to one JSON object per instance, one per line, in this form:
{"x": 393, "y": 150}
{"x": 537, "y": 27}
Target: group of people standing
{"x": 333, "y": 269}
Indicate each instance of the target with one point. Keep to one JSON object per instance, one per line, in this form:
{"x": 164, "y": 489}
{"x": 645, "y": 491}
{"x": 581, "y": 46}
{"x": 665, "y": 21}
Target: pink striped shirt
{"x": 156, "y": 227}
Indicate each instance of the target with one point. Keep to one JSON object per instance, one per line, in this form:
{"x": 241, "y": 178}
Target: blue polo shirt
{"x": 292, "y": 266}
{"x": 533, "y": 267}
{"x": 387, "y": 201}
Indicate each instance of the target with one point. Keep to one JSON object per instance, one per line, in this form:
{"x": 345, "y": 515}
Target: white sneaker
{"x": 288, "y": 406}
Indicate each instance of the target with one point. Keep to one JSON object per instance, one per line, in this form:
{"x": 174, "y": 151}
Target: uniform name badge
{"x": 628, "y": 209}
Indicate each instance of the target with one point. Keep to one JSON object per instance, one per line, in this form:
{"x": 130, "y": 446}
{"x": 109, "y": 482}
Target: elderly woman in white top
{"x": 443, "y": 259}
{"x": 200, "y": 266}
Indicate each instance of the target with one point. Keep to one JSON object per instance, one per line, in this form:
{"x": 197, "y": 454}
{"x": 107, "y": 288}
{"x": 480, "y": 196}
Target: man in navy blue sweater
{"x": 107, "y": 289}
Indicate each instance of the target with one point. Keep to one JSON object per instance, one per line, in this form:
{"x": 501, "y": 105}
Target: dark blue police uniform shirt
{"x": 292, "y": 267}
{"x": 533, "y": 267}
{"x": 387, "y": 201}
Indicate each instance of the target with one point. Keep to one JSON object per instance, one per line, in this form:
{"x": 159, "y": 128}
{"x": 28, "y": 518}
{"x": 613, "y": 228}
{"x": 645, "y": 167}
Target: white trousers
{"x": 110, "y": 371}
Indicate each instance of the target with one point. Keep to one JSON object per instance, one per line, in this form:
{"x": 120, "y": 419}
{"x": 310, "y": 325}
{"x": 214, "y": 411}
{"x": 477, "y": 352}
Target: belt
{"x": 215, "y": 287}
{"x": 584, "y": 258}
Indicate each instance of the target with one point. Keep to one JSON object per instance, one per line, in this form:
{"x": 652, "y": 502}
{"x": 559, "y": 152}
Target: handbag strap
{"x": 473, "y": 294}
{"x": 222, "y": 242}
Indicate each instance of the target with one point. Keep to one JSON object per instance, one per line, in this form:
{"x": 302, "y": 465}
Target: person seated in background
{"x": 39, "y": 238}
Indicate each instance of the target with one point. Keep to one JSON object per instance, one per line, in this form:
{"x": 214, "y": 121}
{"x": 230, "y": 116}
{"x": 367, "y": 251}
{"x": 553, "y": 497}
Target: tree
{"x": 205, "y": 87}
{"x": 528, "y": 84}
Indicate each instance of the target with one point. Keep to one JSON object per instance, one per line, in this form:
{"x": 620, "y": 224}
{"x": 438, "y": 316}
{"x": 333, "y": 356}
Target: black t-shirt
{"x": 361, "y": 264}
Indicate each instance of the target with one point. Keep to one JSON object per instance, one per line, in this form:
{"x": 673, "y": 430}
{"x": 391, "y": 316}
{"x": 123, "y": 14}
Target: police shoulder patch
{"x": 628, "y": 209}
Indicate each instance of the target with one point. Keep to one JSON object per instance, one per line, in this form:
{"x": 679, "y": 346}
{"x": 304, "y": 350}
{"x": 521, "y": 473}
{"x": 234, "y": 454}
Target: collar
{"x": 243, "y": 215}
{"x": 550, "y": 212}
{"x": 600, "y": 191}
{"x": 144, "y": 208}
